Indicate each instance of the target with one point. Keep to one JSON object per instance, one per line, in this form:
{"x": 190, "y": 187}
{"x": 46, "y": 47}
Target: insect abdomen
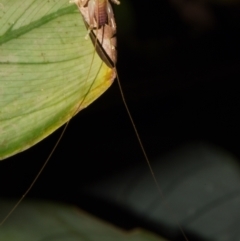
{"x": 100, "y": 13}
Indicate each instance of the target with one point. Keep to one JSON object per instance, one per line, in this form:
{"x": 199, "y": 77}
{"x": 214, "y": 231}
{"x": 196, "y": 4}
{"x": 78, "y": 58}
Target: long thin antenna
{"x": 147, "y": 159}
{"x": 36, "y": 177}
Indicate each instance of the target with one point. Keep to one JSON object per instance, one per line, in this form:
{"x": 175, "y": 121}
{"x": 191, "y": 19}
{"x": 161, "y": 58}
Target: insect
{"x": 99, "y": 19}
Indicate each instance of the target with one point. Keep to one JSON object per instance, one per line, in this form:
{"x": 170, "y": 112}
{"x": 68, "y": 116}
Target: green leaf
{"x": 48, "y": 70}
{"x": 52, "y": 221}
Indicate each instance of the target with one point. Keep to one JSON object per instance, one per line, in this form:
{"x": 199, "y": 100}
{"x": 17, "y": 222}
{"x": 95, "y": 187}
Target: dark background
{"x": 178, "y": 62}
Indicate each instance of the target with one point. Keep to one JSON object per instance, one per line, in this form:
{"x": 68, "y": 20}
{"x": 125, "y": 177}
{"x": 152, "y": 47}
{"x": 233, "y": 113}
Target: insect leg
{"x": 116, "y": 2}
{"x": 92, "y": 6}
{"x": 111, "y": 19}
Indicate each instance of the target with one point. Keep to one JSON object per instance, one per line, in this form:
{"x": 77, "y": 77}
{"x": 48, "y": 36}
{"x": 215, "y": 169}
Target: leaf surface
{"x": 48, "y": 70}
{"x": 51, "y": 221}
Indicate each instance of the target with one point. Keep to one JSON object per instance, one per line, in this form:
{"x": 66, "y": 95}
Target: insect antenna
{"x": 145, "y": 153}
{"x": 36, "y": 177}
{"x": 148, "y": 160}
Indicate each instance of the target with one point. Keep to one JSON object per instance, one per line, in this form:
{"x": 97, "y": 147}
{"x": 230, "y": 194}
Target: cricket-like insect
{"x": 99, "y": 19}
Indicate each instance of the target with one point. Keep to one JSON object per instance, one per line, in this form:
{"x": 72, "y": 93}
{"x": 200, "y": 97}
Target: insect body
{"x": 99, "y": 19}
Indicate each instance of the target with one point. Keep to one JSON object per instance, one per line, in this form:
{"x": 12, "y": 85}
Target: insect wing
{"x": 103, "y": 46}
